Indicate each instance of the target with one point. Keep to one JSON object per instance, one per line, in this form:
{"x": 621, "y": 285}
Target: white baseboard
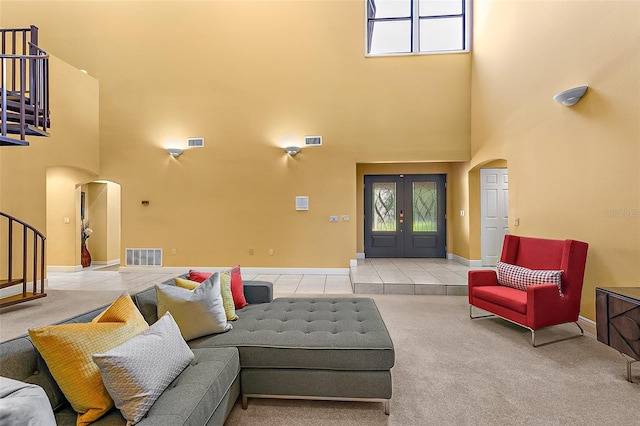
{"x": 247, "y": 270}
{"x": 108, "y": 262}
{"x": 62, "y": 268}
{"x": 466, "y": 262}
{"x": 360, "y": 256}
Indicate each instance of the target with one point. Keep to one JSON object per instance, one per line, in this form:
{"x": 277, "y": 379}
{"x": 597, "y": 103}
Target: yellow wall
{"x": 73, "y": 143}
{"x": 244, "y": 75}
{"x": 574, "y": 172}
{"x": 113, "y": 222}
{"x": 63, "y": 201}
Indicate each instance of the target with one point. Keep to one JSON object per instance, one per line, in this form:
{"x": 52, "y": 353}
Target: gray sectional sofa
{"x": 294, "y": 348}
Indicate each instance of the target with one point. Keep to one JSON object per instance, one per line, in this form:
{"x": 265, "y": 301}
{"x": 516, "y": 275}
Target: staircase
{"x": 25, "y": 248}
{"x": 25, "y": 86}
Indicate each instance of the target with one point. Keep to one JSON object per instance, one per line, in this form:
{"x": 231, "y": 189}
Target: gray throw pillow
{"x": 24, "y": 404}
{"x": 138, "y": 371}
{"x": 199, "y": 312}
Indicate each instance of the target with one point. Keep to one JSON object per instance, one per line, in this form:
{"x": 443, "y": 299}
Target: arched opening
{"x": 67, "y": 209}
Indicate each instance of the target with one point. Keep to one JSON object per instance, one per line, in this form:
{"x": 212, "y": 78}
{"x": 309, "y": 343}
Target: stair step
{"x": 14, "y": 117}
{"x": 13, "y": 104}
{"x": 9, "y": 283}
{"x": 18, "y": 298}
{"x": 28, "y": 130}
{"x": 5, "y": 141}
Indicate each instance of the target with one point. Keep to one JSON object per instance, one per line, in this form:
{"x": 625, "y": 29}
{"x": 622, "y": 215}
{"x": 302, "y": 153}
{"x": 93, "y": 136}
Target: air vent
{"x": 312, "y": 140}
{"x": 143, "y": 257}
{"x": 195, "y": 142}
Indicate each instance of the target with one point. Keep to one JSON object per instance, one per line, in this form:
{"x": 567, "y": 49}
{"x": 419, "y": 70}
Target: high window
{"x": 417, "y": 26}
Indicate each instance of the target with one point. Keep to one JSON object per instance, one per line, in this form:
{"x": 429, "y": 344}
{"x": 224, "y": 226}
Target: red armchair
{"x": 540, "y": 305}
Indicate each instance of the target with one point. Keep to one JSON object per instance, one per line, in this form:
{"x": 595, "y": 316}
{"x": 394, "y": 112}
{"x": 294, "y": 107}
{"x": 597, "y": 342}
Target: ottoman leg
{"x": 387, "y": 406}
{"x": 245, "y": 402}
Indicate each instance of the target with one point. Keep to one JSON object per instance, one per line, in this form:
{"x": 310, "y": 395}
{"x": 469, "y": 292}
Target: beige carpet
{"x": 449, "y": 370}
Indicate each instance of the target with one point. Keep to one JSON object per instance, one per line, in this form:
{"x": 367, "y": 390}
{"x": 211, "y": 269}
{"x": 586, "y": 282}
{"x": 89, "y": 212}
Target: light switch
{"x": 345, "y": 218}
{"x": 333, "y": 218}
{"x": 67, "y": 220}
{"x": 461, "y": 212}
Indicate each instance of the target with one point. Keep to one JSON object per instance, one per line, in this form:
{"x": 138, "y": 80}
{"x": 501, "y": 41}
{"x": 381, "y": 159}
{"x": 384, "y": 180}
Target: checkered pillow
{"x": 520, "y": 277}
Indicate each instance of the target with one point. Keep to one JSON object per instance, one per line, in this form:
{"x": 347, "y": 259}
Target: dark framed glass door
{"x": 405, "y": 216}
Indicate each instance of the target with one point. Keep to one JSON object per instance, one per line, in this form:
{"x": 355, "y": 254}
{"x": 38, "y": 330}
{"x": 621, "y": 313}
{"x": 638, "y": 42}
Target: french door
{"x": 404, "y": 216}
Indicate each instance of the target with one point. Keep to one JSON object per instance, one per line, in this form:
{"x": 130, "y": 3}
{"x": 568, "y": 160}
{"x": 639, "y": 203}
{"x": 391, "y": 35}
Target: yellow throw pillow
{"x": 67, "y": 350}
{"x": 225, "y": 290}
{"x": 227, "y": 297}
{"x": 185, "y": 283}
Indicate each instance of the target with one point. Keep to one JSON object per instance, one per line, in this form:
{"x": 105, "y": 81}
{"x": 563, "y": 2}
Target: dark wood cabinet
{"x": 618, "y": 321}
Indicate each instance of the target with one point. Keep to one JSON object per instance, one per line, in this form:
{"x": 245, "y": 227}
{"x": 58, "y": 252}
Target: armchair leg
{"x": 533, "y": 337}
{"x": 480, "y": 316}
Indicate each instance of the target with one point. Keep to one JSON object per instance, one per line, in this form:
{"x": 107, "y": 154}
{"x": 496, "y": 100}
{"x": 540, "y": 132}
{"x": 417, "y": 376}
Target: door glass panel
{"x": 384, "y": 207}
{"x": 425, "y": 206}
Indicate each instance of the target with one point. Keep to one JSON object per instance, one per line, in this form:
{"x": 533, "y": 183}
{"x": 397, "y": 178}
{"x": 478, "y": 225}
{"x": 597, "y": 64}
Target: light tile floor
{"x": 409, "y": 276}
{"x": 370, "y": 276}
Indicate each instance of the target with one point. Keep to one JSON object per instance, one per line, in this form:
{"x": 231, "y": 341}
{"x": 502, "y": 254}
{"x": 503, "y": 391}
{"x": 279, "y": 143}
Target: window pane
{"x": 440, "y": 7}
{"x": 441, "y": 34}
{"x": 425, "y": 206}
{"x": 391, "y": 37}
{"x": 390, "y": 8}
{"x": 384, "y": 207}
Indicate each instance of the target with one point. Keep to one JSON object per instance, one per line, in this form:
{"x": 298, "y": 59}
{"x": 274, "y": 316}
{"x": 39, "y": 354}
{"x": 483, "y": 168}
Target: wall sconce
{"x": 175, "y": 152}
{"x": 292, "y": 150}
{"x": 570, "y": 97}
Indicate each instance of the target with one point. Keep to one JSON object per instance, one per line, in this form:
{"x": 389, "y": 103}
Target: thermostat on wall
{"x": 302, "y": 203}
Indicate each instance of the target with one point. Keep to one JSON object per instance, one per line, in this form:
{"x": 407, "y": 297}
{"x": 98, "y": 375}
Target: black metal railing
{"x": 25, "y": 85}
{"x": 27, "y": 251}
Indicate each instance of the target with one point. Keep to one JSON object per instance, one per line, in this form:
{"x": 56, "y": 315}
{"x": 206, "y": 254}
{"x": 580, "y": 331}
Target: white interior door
{"x": 494, "y": 211}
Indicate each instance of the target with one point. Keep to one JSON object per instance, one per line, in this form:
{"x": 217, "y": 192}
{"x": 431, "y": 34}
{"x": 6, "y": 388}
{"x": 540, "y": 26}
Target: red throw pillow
{"x": 237, "y": 289}
{"x": 199, "y": 276}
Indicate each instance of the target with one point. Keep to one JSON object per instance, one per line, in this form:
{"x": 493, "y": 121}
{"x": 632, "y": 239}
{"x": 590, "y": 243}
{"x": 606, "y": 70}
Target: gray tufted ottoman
{"x": 311, "y": 348}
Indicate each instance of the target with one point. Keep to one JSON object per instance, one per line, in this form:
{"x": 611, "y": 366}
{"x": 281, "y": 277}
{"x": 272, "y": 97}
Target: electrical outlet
{"x": 270, "y": 252}
{"x": 173, "y": 251}
{"x": 251, "y": 251}
{"x": 345, "y": 218}
{"x": 517, "y": 221}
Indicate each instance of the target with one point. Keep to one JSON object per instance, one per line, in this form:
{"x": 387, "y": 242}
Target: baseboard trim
{"x": 588, "y": 325}
{"x": 62, "y": 268}
{"x": 107, "y": 263}
{"x": 464, "y": 261}
{"x": 360, "y": 256}
{"x": 245, "y": 270}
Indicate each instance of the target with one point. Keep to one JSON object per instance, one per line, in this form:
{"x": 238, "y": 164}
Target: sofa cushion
{"x": 134, "y": 373}
{"x": 67, "y": 350}
{"x": 198, "y": 391}
{"x": 24, "y": 404}
{"x": 199, "y": 312}
{"x": 316, "y": 333}
{"x": 508, "y": 297}
{"x": 520, "y": 278}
